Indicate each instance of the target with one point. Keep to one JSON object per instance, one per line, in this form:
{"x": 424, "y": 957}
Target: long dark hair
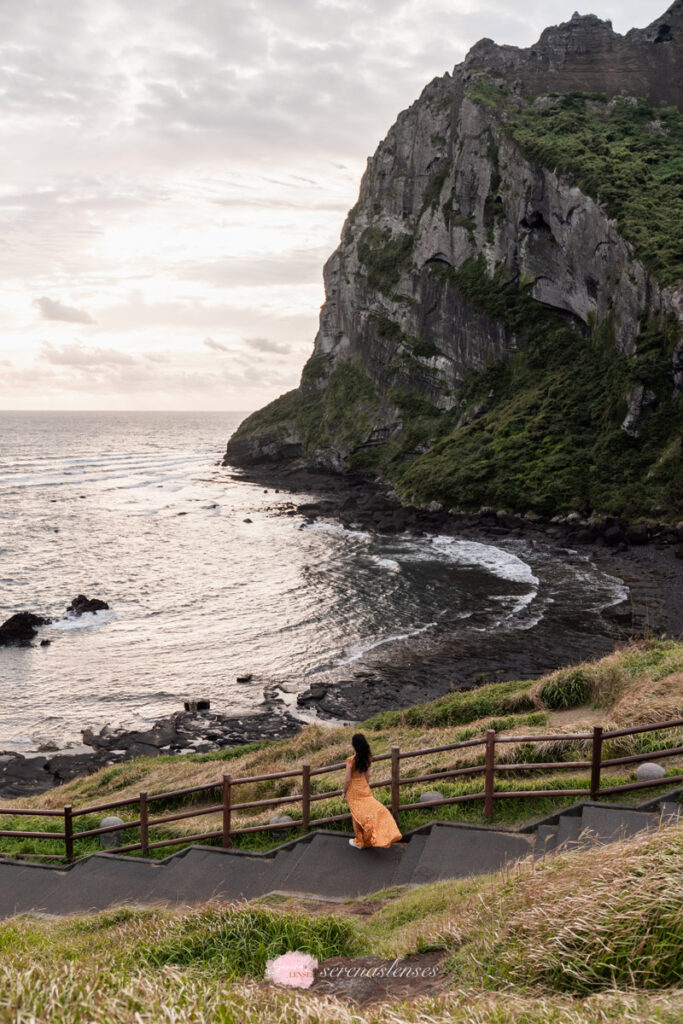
{"x": 363, "y": 755}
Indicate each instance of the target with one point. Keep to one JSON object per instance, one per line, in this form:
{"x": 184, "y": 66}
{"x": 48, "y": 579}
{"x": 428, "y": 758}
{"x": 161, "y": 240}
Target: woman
{"x": 373, "y": 823}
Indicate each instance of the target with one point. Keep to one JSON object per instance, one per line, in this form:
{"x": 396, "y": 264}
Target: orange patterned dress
{"x": 373, "y": 823}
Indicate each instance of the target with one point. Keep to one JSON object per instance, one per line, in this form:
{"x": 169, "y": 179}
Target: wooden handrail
{"x": 306, "y": 798}
{"x": 673, "y": 724}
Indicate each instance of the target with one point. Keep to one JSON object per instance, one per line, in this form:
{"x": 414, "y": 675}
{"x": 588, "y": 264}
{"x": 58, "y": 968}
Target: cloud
{"x": 190, "y": 164}
{"x": 265, "y": 345}
{"x": 51, "y": 309}
{"x": 215, "y": 346}
{"x": 78, "y": 355}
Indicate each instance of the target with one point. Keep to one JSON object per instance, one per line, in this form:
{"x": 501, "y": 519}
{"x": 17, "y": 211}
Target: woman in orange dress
{"x": 373, "y": 823}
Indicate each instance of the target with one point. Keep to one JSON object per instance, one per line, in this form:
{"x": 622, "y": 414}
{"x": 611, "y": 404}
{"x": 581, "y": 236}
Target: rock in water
{"x": 82, "y": 604}
{"x": 20, "y": 629}
{"x": 197, "y": 705}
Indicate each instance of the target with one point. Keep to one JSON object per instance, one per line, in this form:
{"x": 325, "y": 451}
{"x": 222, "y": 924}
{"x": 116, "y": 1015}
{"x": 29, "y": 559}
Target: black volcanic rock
{"x": 20, "y": 629}
{"x": 82, "y": 604}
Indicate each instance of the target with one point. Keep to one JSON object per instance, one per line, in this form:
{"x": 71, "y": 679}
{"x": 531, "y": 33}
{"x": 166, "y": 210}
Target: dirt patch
{"x": 354, "y": 908}
{"x": 370, "y": 979}
{"x": 584, "y": 716}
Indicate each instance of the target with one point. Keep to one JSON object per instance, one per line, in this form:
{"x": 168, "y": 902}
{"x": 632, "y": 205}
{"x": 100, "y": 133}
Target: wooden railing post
{"x": 395, "y": 779}
{"x": 305, "y": 797}
{"x": 144, "y": 825}
{"x": 68, "y": 834}
{"x": 596, "y": 762}
{"x": 489, "y": 772}
{"x": 226, "y": 811}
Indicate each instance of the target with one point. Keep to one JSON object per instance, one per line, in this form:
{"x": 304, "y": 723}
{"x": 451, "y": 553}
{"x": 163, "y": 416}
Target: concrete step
{"x": 328, "y": 866}
{"x": 455, "y": 851}
{"x": 205, "y": 874}
{"x": 607, "y": 824}
{"x": 91, "y": 884}
{"x": 569, "y": 828}
{"x": 23, "y": 886}
{"x": 101, "y": 881}
{"x": 284, "y": 860}
{"x": 671, "y": 811}
{"x": 546, "y": 840}
{"x": 412, "y": 854}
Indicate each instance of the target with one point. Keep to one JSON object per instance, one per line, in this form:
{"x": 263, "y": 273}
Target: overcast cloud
{"x": 175, "y": 174}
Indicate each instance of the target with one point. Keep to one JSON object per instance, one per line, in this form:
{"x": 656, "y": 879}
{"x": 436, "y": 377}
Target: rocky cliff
{"x": 502, "y": 316}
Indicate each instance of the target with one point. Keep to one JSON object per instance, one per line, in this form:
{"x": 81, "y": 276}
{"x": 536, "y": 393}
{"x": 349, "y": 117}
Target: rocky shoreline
{"x": 649, "y": 562}
{"x": 185, "y": 732}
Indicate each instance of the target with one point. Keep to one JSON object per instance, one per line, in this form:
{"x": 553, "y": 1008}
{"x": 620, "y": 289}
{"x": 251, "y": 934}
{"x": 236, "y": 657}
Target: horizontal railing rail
{"x": 492, "y": 770}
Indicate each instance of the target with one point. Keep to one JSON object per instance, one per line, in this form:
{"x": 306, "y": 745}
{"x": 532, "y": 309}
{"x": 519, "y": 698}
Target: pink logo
{"x": 294, "y": 969}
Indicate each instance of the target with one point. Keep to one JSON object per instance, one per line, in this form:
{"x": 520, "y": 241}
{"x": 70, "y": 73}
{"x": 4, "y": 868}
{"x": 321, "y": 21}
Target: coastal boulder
{"x": 111, "y": 840}
{"x": 82, "y": 604}
{"x": 280, "y": 819}
{"x": 650, "y": 771}
{"x": 431, "y": 794}
{"x": 20, "y": 629}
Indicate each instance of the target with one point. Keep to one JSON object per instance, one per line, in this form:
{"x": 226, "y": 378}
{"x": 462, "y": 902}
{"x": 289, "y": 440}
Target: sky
{"x": 175, "y": 173}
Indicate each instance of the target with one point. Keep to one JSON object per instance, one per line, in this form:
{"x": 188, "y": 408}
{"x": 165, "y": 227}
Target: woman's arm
{"x": 347, "y": 779}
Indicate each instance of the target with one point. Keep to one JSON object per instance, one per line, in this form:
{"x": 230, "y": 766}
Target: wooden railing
{"x": 490, "y": 769}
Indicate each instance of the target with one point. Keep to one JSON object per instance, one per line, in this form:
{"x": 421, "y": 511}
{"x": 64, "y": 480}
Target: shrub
{"x": 569, "y": 688}
{"x": 384, "y": 257}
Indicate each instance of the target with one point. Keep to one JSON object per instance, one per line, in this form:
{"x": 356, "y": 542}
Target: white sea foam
{"x": 385, "y": 563}
{"x": 321, "y": 527}
{"x": 88, "y": 620}
{"x": 501, "y": 563}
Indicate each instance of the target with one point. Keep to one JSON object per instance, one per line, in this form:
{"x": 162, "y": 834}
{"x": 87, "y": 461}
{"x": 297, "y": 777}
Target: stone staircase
{"x": 321, "y": 863}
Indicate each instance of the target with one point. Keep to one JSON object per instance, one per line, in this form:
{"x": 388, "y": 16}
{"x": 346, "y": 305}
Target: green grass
{"x": 239, "y": 943}
{"x": 460, "y": 707}
{"x": 568, "y": 689}
{"x": 341, "y": 414}
{"x": 591, "y": 935}
{"x": 277, "y": 415}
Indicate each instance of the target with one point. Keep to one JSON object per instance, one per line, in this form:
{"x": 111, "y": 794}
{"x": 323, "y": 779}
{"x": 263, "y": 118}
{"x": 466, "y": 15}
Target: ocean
{"x": 135, "y": 509}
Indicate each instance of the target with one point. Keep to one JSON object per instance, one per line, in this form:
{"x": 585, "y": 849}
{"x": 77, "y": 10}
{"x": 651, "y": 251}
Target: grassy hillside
{"x": 635, "y": 685}
{"x": 586, "y": 936}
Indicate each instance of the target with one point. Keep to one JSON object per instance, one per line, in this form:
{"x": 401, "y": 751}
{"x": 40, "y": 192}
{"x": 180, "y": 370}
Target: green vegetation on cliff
{"x": 625, "y": 153}
{"x": 327, "y": 410}
{"x": 276, "y": 416}
{"x": 340, "y": 413}
{"x": 385, "y": 258}
{"x": 548, "y": 432}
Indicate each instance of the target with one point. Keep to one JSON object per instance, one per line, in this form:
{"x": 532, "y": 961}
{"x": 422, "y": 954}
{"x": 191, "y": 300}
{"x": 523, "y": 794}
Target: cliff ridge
{"x": 502, "y": 315}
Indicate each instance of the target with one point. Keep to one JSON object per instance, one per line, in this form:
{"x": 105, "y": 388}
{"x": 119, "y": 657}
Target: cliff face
{"x": 513, "y": 238}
